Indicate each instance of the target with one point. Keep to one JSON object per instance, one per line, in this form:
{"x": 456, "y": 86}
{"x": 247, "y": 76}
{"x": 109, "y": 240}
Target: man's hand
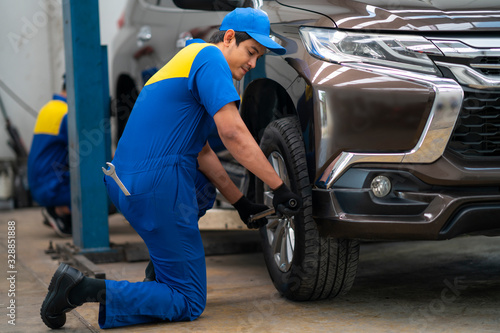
{"x": 286, "y": 202}
{"x": 246, "y": 208}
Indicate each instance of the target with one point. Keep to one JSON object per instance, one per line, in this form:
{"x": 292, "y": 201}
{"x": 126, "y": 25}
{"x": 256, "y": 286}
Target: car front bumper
{"x": 413, "y": 209}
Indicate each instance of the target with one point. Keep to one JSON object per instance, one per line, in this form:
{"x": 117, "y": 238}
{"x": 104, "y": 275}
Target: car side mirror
{"x": 214, "y": 5}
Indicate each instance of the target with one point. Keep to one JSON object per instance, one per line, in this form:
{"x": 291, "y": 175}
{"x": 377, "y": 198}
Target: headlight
{"x": 399, "y": 51}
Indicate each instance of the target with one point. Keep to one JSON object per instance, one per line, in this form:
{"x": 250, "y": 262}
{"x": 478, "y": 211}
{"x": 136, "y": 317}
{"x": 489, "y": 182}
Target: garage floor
{"x": 447, "y": 286}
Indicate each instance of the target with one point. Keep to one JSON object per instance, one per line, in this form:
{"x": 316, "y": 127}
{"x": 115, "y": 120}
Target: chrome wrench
{"x": 268, "y": 212}
{"x": 111, "y": 172}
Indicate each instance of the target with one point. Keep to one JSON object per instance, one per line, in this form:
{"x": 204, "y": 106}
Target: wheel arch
{"x": 264, "y": 101}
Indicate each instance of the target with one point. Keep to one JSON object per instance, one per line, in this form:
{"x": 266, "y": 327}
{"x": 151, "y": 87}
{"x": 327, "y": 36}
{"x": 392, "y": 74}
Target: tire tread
{"x": 329, "y": 265}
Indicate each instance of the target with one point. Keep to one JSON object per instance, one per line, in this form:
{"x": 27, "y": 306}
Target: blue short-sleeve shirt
{"x": 173, "y": 114}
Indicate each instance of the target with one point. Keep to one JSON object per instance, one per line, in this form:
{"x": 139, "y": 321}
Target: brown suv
{"x": 384, "y": 115}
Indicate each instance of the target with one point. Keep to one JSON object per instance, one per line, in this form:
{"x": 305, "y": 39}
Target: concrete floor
{"x": 446, "y": 286}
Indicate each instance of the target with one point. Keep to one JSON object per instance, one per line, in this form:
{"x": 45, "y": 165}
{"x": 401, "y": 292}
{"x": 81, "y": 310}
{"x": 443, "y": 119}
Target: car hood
{"x": 416, "y": 15}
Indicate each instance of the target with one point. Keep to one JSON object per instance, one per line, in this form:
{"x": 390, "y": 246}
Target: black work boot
{"x": 61, "y": 224}
{"x": 56, "y": 303}
{"x": 150, "y": 273}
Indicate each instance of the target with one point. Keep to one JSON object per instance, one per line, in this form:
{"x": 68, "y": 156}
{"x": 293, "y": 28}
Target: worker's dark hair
{"x": 218, "y": 37}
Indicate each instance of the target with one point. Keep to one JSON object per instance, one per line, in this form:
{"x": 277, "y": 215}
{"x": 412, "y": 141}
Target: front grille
{"x": 477, "y": 132}
{"x": 474, "y": 63}
{"x": 481, "y": 64}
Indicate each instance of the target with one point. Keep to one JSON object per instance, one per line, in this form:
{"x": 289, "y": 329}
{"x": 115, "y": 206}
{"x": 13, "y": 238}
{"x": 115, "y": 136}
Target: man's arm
{"x": 211, "y": 167}
{"x": 241, "y": 144}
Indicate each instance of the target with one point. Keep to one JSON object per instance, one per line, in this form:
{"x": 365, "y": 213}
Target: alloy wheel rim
{"x": 280, "y": 231}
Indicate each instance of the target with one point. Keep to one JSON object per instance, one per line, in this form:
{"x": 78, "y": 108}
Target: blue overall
{"x": 156, "y": 159}
{"x": 48, "y": 165}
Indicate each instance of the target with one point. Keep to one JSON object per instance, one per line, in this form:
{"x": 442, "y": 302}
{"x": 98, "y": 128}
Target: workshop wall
{"x": 32, "y": 58}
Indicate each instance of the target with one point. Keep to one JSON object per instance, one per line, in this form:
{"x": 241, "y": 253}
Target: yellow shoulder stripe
{"x": 180, "y": 64}
{"x": 50, "y": 117}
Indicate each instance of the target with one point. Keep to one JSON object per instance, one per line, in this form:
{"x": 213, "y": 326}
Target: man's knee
{"x": 197, "y": 307}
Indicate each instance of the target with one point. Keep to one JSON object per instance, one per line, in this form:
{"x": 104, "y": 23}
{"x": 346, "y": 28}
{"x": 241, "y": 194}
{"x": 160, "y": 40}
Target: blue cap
{"x": 255, "y": 23}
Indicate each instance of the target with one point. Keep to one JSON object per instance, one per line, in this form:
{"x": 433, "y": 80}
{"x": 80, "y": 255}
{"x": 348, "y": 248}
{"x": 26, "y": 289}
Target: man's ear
{"x": 228, "y": 37}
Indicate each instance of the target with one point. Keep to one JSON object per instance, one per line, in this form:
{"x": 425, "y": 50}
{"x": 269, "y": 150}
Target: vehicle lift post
{"x": 88, "y": 124}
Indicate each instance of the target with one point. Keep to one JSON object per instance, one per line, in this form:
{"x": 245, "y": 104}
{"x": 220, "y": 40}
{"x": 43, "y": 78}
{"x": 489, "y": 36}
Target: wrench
{"x": 111, "y": 172}
{"x": 260, "y": 215}
{"x": 269, "y": 211}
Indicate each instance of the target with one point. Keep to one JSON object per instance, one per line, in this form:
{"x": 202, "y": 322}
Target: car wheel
{"x": 303, "y": 265}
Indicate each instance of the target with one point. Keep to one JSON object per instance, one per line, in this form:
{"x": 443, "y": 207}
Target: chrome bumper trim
{"x": 435, "y": 136}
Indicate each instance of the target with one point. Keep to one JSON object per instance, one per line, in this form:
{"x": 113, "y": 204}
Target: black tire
{"x": 303, "y": 265}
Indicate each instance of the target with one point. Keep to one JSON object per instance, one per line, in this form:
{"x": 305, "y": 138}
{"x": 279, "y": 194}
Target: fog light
{"x": 381, "y": 186}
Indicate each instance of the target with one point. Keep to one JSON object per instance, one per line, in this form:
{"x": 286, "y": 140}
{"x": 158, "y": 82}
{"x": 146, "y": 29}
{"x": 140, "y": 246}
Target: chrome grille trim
{"x": 458, "y": 49}
{"x": 486, "y": 66}
{"x": 483, "y": 69}
{"x": 470, "y": 77}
